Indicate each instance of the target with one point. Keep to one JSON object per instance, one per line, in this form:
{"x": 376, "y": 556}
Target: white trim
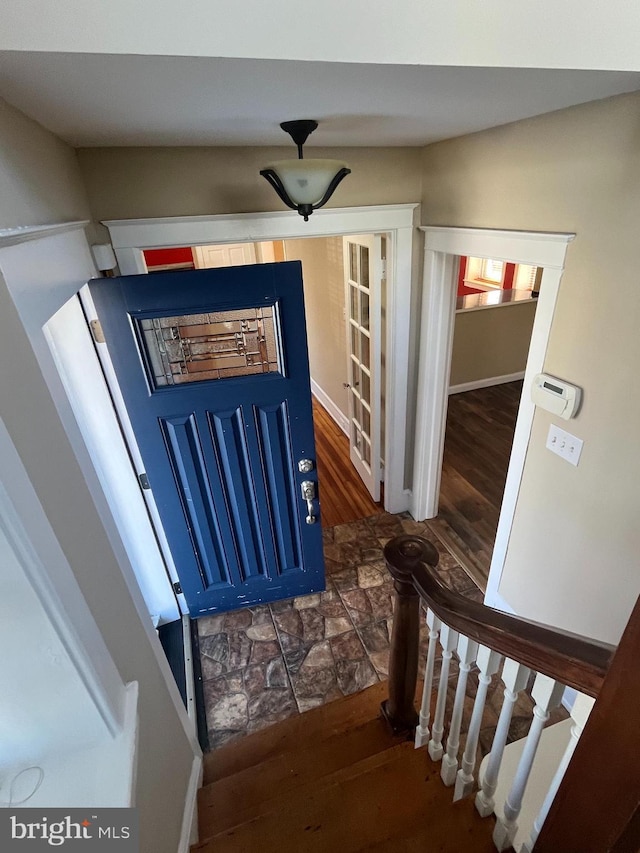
{"x": 130, "y": 237}
{"x": 549, "y": 288}
{"x": 24, "y": 233}
{"x": 436, "y": 337}
{"x": 334, "y": 410}
{"x": 255, "y": 227}
{"x": 189, "y": 829}
{"x": 486, "y": 383}
{"x": 536, "y": 248}
{"x": 442, "y": 247}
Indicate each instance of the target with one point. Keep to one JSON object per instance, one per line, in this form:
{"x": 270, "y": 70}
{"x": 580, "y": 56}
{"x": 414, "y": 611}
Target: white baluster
{"x": 547, "y": 694}
{"x": 448, "y": 642}
{"x": 467, "y": 651}
{"x": 580, "y": 714}
{"x": 488, "y": 663}
{"x": 514, "y": 677}
{"x": 422, "y": 731}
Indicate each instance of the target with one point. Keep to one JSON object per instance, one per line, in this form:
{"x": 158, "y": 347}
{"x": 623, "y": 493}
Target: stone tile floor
{"x": 267, "y": 663}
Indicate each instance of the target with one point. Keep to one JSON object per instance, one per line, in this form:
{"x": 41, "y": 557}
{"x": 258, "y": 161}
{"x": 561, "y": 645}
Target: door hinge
{"x": 177, "y": 588}
{"x": 96, "y": 331}
{"x": 144, "y": 481}
{"x": 383, "y": 268}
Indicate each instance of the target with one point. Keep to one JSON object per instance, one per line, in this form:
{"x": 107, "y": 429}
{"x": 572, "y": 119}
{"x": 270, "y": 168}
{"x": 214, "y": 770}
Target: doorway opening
{"x": 494, "y": 316}
{"x": 443, "y": 248}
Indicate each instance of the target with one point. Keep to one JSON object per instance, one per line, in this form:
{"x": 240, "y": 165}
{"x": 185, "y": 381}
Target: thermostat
{"x": 556, "y": 396}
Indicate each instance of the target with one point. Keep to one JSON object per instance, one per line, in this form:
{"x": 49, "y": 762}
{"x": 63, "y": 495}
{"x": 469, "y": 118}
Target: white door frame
{"x": 130, "y": 237}
{"x": 442, "y": 248}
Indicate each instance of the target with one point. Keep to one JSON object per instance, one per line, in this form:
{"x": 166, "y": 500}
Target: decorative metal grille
{"x": 217, "y": 345}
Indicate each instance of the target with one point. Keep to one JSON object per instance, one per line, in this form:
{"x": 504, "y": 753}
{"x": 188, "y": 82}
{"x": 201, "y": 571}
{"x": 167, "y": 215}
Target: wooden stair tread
{"x": 385, "y": 799}
{"x": 254, "y": 791}
{"x": 421, "y": 840}
{"x": 308, "y": 728}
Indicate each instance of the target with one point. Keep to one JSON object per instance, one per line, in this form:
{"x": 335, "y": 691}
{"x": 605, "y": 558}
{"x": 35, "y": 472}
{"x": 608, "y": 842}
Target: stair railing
{"x": 482, "y": 640}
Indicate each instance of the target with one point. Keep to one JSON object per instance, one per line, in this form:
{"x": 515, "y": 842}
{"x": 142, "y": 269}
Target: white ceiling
{"x": 109, "y": 100}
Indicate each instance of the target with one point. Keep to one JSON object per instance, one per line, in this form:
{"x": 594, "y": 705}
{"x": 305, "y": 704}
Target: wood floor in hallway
{"x": 479, "y": 435}
{"x": 343, "y": 495}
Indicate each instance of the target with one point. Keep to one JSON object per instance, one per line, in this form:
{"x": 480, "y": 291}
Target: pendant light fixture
{"x": 304, "y": 185}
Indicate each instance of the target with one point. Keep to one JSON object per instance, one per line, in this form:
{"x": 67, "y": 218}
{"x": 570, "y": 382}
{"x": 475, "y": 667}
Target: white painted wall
{"x": 546, "y": 34}
{"x": 45, "y": 706}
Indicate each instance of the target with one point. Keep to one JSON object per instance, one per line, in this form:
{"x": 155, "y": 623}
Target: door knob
{"x": 308, "y": 489}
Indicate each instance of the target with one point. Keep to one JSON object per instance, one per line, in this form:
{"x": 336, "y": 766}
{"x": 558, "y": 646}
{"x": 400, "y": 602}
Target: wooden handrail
{"x": 573, "y": 660}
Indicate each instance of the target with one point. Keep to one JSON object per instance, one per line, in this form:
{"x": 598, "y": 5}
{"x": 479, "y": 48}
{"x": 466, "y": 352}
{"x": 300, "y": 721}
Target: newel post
{"x": 403, "y": 554}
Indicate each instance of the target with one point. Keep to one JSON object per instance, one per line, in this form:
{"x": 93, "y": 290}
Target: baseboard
{"x": 486, "y": 383}
{"x": 189, "y": 831}
{"x": 338, "y": 416}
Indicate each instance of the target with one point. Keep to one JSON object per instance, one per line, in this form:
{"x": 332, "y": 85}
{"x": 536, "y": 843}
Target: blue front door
{"x": 214, "y": 371}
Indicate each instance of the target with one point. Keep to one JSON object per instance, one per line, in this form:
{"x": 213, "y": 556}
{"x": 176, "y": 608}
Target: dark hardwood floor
{"x": 343, "y": 495}
{"x": 479, "y": 435}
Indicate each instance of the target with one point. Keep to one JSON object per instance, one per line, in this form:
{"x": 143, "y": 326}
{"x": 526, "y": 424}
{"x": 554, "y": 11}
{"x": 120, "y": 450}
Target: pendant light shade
{"x": 304, "y": 185}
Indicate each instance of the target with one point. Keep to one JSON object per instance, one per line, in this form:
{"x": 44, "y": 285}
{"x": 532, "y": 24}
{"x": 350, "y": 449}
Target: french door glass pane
{"x": 365, "y": 386}
{"x": 357, "y": 439}
{"x": 364, "y": 309}
{"x": 353, "y": 292}
{"x": 353, "y": 262}
{"x": 366, "y": 420}
{"x": 364, "y": 266}
{"x": 355, "y": 336}
{"x": 364, "y": 355}
{"x": 357, "y": 408}
{"x": 366, "y": 450}
{"x": 355, "y": 374}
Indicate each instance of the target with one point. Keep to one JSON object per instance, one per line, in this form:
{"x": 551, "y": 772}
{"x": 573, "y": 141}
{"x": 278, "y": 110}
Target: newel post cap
{"x": 403, "y": 553}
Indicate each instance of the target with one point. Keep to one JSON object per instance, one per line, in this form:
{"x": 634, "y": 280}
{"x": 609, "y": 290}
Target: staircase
{"x": 334, "y": 778}
{"x": 342, "y": 778}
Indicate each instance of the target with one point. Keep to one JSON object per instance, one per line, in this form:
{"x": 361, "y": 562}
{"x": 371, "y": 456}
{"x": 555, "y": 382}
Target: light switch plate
{"x": 566, "y": 446}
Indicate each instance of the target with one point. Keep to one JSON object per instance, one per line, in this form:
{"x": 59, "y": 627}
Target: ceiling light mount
{"x": 299, "y": 130}
{"x": 304, "y": 185}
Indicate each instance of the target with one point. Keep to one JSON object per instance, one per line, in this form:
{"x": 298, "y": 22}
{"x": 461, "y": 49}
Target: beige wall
{"x": 573, "y": 554}
{"x": 40, "y": 183}
{"x": 491, "y": 342}
{"x": 39, "y": 178}
{"x": 323, "y": 276}
{"x": 146, "y": 182}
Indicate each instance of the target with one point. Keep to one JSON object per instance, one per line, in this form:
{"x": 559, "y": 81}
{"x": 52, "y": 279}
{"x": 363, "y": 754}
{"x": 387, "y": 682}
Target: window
{"x": 492, "y": 271}
{"x": 525, "y": 277}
